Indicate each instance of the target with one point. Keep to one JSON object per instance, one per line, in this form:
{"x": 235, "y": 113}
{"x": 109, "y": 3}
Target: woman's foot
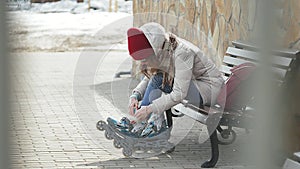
{"x": 138, "y": 127}
{"x": 155, "y": 124}
{"x": 149, "y": 129}
{"x": 123, "y": 124}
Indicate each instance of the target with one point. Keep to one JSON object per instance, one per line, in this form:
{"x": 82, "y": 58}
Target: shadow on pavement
{"x": 188, "y": 154}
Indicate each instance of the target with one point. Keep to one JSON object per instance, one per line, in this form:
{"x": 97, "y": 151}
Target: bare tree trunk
{"x": 116, "y": 5}
{"x": 109, "y": 6}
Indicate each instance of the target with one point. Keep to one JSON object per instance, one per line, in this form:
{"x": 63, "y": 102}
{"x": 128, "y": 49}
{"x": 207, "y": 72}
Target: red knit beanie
{"x": 138, "y": 45}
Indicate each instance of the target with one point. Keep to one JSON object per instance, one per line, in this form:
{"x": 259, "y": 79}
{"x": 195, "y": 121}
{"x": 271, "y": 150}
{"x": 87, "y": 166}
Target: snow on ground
{"x": 69, "y": 6}
{"x": 55, "y": 27}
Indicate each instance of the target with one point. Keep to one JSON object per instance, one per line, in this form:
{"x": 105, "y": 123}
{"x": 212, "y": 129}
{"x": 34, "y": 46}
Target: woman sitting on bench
{"x": 171, "y": 65}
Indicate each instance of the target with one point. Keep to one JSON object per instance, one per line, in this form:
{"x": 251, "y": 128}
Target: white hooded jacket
{"x": 190, "y": 64}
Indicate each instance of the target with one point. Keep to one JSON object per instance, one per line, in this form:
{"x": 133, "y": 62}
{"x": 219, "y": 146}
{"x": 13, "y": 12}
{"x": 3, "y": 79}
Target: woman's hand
{"x": 133, "y": 104}
{"x": 143, "y": 113}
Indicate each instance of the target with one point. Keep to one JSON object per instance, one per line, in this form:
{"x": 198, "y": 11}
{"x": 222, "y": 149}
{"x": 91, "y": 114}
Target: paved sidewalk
{"x": 49, "y": 132}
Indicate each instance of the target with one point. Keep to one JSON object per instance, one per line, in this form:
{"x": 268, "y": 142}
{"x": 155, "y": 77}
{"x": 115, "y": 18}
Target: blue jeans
{"x": 155, "y": 89}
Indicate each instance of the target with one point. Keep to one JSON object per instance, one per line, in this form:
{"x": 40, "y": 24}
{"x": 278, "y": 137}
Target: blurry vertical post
{"x": 266, "y": 144}
{"x": 4, "y": 160}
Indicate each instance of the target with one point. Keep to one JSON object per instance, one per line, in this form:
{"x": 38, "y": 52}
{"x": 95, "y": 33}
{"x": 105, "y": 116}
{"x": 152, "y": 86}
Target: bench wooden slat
{"x": 281, "y": 72}
{"x": 234, "y": 61}
{"x": 250, "y": 55}
{"x": 250, "y": 46}
{"x": 225, "y": 69}
{"x": 225, "y": 77}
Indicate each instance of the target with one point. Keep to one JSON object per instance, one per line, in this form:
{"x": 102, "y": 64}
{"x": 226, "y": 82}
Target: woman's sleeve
{"x": 183, "y": 75}
{"x": 141, "y": 87}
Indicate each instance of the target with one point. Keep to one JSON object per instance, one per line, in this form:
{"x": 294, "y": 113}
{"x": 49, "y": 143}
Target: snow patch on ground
{"x": 65, "y": 26}
{"x": 69, "y": 6}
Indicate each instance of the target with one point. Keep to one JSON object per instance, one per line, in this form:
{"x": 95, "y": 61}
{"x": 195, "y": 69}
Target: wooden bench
{"x": 285, "y": 63}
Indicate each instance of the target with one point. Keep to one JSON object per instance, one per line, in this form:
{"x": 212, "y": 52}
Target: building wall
{"x": 220, "y": 20}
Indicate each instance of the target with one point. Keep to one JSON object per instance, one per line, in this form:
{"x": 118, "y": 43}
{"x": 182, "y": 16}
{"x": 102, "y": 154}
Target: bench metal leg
{"x": 169, "y": 117}
{"x": 214, "y": 151}
{"x": 170, "y": 124}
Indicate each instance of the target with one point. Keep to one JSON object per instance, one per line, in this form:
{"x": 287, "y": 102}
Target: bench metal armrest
{"x": 297, "y": 155}
{"x": 201, "y": 117}
{"x": 195, "y": 112}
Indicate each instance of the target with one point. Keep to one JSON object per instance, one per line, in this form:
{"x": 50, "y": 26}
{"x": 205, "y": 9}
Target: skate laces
{"x": 124, "y": 123}
{"x": 138, "y": 127}
{"x": 150, "y": 128}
